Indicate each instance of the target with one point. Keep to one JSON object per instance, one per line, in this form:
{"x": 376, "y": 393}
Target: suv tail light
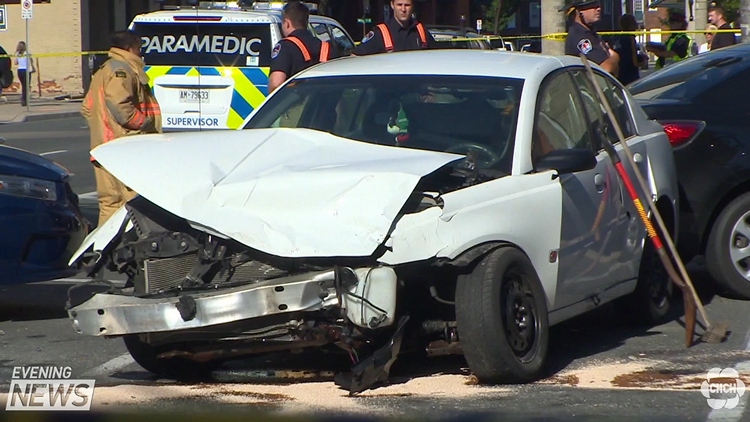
{"x": 683, "y": 131}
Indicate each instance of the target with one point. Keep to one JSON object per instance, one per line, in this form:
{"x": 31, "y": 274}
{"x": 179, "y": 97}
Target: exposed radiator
{"x": 161, "y": 274}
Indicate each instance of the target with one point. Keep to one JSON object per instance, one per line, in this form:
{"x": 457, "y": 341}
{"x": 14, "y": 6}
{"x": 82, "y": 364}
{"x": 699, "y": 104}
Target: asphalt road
{"x": 600, "y": 367}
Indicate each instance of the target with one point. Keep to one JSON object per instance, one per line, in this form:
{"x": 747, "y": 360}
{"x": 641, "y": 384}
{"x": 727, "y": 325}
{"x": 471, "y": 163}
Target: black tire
{"x": 650, "y": 302}
{"x": 178, "y": 368}
{"x": 497, "y": 347}
{"x": 723, "y": 258}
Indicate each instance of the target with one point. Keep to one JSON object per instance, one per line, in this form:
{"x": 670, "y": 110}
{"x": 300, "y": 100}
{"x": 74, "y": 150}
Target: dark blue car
{"x": 40, "y": 222}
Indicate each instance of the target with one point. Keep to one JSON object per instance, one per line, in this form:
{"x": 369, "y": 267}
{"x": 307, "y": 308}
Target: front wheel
{"x": 501, "y": 313}
{"x": 728, "y": 249}
{"x": 147, "y": 356}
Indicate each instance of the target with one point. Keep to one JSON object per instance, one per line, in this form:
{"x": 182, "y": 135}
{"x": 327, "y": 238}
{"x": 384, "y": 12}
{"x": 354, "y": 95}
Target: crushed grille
{"x": 161, "y": 274}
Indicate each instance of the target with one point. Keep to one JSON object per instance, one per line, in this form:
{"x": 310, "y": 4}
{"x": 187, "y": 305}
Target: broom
{"x": 713, "y": 333}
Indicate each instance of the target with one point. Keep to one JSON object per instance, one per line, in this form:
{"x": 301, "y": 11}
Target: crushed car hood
{"x": 286, "y": 192}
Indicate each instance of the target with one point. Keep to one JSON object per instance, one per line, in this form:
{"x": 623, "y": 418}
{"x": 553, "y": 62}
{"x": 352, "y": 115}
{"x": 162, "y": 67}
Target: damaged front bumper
{"x": 368, "y": 296}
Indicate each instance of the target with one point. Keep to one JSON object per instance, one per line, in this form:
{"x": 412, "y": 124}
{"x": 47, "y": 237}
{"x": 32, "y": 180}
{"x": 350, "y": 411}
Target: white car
{"x": 454, "y": 195}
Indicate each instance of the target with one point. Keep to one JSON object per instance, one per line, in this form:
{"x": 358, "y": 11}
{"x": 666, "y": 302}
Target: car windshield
{"x": 439, "y": 113}
{"x": 690, "y": 78}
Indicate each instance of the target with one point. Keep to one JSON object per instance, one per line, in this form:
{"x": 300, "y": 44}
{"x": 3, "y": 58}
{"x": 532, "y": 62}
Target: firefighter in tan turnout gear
{"x": 119, "y": 103}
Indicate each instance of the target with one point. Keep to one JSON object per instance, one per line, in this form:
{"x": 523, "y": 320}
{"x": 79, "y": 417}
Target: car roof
{"x": 251, "y": 16}
{"x": 445, "y": 62}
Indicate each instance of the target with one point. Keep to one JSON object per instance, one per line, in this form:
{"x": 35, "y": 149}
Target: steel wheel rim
{"x": 520, "y": 315}
{"x": 739, "y": 245}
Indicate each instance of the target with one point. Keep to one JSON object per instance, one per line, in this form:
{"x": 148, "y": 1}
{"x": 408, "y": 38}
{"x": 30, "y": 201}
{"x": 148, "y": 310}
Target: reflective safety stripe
{"x": 387, "y": 40}
{"x": 137, "y": 120}
{"x": 305, "y": 53}
{"x": 324, "y": 47}
{"x": 422, "y": 34}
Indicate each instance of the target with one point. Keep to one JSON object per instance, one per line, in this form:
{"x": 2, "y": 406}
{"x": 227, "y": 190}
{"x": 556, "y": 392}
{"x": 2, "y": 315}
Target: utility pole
{"x": 745, "y": 20}
{"x": 553, "y": 22}
{"x": 701, "y": 20}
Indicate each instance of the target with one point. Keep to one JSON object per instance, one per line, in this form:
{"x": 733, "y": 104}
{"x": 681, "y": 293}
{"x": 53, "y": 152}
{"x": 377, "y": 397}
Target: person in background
{"x": 625, "y": 46}
{"x": 23, "y": 64}
{"x": 402, "y": 32}
{"x": 716, "y": 17}
{"x": 582, "y": 38}
{"x": 677, "y": 47}
{"x": 119, "y": 103}
{"x": 706, "y": 46}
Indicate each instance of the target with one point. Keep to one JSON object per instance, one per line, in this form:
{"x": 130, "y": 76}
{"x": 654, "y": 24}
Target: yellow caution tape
{"x": 555, "y": 37}
{"x": 71, "y": 54}
{"x": 561, "y": 36}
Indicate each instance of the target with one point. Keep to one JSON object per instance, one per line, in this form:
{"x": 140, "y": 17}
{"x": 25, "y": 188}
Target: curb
{"x": 39, "y": 117}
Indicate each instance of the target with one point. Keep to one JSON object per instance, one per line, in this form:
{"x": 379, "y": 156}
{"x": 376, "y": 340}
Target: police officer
{"x": 582, "y": 38}
{"x": 400, "y": 33}
{"x": 677, "y": 46}
{"x": 299, "y": 49}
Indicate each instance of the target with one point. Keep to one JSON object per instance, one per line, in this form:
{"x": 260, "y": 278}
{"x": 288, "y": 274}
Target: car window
{"x": 737, "y": 85}
{"x": 560, "y": 121}
{"x": 438, "y": 113}
{"x": 691, "y": 78}
{"x": 340, "y": 38}
{"x": 595, "y": 111}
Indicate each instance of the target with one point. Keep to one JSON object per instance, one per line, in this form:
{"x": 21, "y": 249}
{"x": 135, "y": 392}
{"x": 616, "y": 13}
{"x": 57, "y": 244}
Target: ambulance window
{"x": 341, "y": 38}
{"x": 205, "y": 44}
{"x": 321, "y": 32}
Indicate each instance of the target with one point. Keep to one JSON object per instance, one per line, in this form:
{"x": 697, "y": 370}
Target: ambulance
{"x": 209, "y": 66}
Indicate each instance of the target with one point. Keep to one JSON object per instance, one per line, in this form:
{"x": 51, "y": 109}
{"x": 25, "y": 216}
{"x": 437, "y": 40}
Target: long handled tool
{"x": 714, "y": 333}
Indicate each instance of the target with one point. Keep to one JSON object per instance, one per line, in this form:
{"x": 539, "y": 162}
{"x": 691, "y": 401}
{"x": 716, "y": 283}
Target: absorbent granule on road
{"x": 300, "y": 397}
{"x": 643, "y": 374}
{"x": 598, "y": 374}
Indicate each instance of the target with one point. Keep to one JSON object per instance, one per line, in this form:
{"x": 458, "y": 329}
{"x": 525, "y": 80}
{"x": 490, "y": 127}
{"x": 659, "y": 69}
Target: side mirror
{"x": 567, "y": 160}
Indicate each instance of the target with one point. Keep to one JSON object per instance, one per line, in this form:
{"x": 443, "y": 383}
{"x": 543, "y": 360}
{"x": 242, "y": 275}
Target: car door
{"x": 625, "y": 266}
{"x": 592, "y": 206}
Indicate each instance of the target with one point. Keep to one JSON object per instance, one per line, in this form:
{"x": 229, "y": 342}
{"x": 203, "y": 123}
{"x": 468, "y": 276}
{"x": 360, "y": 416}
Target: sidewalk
{"x": 43, "y": 108}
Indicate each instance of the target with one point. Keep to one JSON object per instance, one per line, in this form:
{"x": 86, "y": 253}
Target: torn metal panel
{"x": 102, "y": 235}
{"x": 286, "y": 192}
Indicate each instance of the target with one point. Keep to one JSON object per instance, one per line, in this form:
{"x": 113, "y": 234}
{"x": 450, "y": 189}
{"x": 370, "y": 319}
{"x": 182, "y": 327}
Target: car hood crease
{"x": 286, "y": 192}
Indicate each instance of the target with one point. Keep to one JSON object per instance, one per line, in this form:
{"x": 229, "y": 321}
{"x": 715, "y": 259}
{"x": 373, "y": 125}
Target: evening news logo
{"x": 48, "y": 388}
{"x": 722, "y": 388}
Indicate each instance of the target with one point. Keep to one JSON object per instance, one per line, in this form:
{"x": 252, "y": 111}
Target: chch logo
{"x": 722, "y": 388}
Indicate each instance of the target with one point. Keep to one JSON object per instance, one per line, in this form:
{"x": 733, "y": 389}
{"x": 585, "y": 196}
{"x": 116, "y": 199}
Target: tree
{"x": 497, "y": 13}
{"x": 732, "y": 9}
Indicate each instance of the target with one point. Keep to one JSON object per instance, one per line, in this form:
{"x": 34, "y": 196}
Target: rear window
{"x": 205, "y": 44}
{"x": 692, "y": 78}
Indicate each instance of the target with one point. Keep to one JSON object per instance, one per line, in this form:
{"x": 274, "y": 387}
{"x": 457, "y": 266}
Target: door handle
{"x": 599, "y": 182}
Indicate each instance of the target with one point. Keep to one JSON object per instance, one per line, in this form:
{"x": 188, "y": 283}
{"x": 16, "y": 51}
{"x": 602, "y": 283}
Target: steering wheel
{"x": 487, "y": 157}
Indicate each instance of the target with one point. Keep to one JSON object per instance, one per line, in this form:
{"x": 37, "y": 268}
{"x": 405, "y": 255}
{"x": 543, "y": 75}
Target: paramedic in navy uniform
{"x": 400, "y": 33}
{"x": 299, "y": 49}
{"x": 582, "y": 38}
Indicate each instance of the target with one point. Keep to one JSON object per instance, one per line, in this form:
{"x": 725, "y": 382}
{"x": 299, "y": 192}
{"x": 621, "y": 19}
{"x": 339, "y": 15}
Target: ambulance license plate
{"x": 193, "y": 96}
